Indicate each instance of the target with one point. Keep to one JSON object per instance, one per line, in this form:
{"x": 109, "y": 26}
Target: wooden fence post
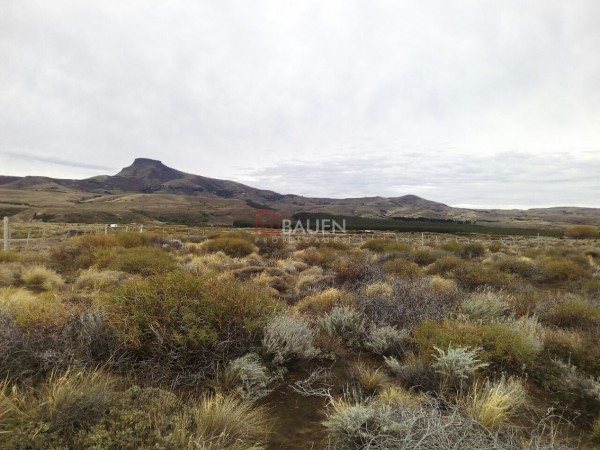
{"x": 6, "y": 234}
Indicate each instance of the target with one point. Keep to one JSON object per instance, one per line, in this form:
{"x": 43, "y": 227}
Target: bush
{"x": 413, "y": 372}
{"x": 231, "y": 246}
{"x": 472, "y": 250}
{"x": 8, "y": 256}
{"x": 343, "y": 322}
{"x": 288, "y": 339}
{"x": 28, "y": 310}
{"x": 552, "y": 270}
{"x": 247, "y": 376}
{"x": 472, "y": 276}
{"x": 182, "y": 314}
{"x": 521, "y": 266}
{"x": 582, "y": 232}
{"x": 456, "y": 366}
{"x": 39, "y": 278}
{"x": 572, "y": 312}
{"x": 319, "y": 303}
{"x": 385, "y": 246}
{"x": 384, "y": 340}
{"x": 485, "y": 306}
{"x": 502, "y": 346}
{"x": 424, "y": 256}
{"x": 411, "y": 302}
{"x": 402, "y": 268}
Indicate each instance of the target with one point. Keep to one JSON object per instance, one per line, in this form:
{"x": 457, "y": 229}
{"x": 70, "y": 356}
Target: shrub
{"x": 28, "y": 310}
{"x": 472, "y": 250}
{"x": 521, "y": 266}
{"x": 495, "y": 404}
{"x": 456, "y": 366}
{"x": 424, "y": 256}
{"x": 379, "y": 289}
{"x": 231, "y": 246}
{"x": 402, "y": 268}
{"x": 344, "y": 322}
{"x": 288, "y": 339}
{"x": 181, "y": 314}
{"x": 40, "y": 278}
{"x": 411, "y": 302}
{"x": 446, "y": 265}
{"x": 376, "y": 425}
{"x": 413, "y": 372}
{"x": 247, "y": 376}
{"x": 473, "y": 275}
{"x": 485, "y": 306}
{"x": 383, "y": 340}
{"x": 321, "y": 302}
{"x": 502, "y": 346}
{"x": 582, "y": 232}
{"x": 8, "y": 256}
{"x": 552, "y": 270}
{"x": 573, "y": 312}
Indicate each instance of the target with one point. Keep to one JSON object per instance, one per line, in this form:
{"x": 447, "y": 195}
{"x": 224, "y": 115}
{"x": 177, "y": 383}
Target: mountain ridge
{"x": 226, "y": 200}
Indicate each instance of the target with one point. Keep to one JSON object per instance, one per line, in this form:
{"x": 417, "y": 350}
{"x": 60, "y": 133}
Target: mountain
{"x": 150, "y": 190}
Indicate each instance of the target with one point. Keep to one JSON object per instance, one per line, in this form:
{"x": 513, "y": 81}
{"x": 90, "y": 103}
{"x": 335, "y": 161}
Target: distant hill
{"x": 150, "y": 190}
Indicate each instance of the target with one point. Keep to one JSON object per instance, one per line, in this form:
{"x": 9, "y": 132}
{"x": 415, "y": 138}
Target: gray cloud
{"x": 236, "y": 89}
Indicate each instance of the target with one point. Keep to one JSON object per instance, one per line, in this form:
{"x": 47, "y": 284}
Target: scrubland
{"x": 226, "y": 340}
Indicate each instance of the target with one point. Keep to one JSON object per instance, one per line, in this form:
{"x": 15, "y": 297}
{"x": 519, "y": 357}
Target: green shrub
{"x": 502, "y": 346}
{"x": 472, "y": 250}
{"x": 231, "y": 246}
{"x": 424, "y": 256}
{"x": 402, "y": 268}
{"x": 472, "y": 276}
{"x": 573, "y": 312}
{"x": 553, "y": 270}
{"x": 181, "y": 310}
{"x": 446, "y": 265}
{"x": 521, "y": 266}
{"x": 582, "y": 232}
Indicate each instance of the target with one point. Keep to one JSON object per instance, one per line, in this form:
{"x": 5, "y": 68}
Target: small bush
{"x": 39, "y": 278}
{"x": 343, "y": 322}
{"x": 472, "y": 276}
{"x": 319, "y": 303}
{"x": 413, "y": 372}
{"x": 288, "y": 339}
{"x": 582, "y": 232}
{"x": 8, "y": 256}
{"x": 485, "y": 306}
{"x": 573, "y": 312}
{"x": 472, "y": 250}
{"x": 411, "y": 302}
{"x": 379, "y": 289}
{"x": 553, "y": 270}
{"x": 402, "y": 268}
{"x": 181, "y": 314}
{"x": 10, "y": 274}
{"x": 456, "y": 366}
{"x": 247, "y": 376}
{"x": 231, "y": 246}
{"x": 384, "y": 340}
{"x": 446, "y": 265}
{"x": 521, "y": 266}
{"x": 504, "y": 347}
{"x": 424, "y": 256}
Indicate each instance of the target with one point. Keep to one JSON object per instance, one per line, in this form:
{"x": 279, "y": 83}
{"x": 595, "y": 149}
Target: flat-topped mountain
{"x": 150, "y": 189}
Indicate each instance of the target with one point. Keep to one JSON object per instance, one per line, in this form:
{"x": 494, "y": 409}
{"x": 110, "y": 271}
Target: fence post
{"x": 6, "y": 234}
{"x": 105, "y": 229}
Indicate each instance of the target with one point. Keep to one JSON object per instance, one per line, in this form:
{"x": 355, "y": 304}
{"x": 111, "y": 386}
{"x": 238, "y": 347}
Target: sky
{"x": 471, "y": 103}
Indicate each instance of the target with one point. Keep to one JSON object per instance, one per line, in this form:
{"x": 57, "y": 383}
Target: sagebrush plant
{"x": 287, "y": 338}
{"x": 494, "y": 404}
{"x": 247, "y": 376}
{"x": 345, "y": 322}
{"x": 384, "y": 339}
{"x": 485, "y": 306}
{"x": 457, "y": 365}
{"x": 375, "y": 424}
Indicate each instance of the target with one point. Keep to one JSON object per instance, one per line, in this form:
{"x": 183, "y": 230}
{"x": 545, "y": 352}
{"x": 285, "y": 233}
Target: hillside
{"x": 149, "y": 190}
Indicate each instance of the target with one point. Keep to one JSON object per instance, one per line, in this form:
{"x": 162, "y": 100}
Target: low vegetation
{"x": 217, "y": 339}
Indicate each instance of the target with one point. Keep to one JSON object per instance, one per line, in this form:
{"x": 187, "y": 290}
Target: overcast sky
{"x": 471, "y": 103}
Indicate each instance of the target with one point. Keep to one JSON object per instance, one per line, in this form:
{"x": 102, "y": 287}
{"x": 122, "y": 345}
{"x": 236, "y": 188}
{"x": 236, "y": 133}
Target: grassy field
{"x": 215, "y": 338}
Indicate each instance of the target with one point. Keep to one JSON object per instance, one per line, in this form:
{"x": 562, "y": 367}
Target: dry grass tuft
{"x": 40, "y": 278}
